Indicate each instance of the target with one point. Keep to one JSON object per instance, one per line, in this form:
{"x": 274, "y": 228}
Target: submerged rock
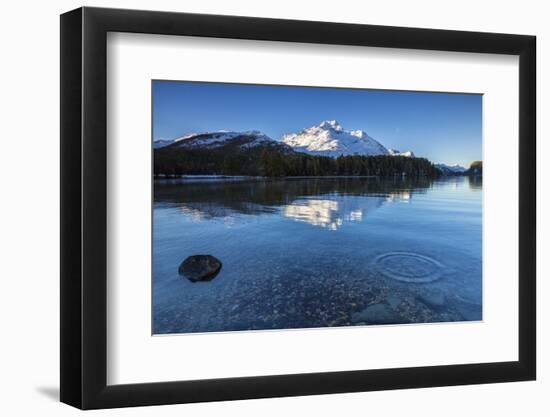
{"x": 200, "y": 268}
{"x": 377, "y": 314}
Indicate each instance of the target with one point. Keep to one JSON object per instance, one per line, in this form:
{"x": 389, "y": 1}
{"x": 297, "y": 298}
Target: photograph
{"x": 282, "y": 207}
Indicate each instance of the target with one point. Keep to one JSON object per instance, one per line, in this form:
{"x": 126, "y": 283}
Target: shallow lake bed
{"x": 317, "y": 252}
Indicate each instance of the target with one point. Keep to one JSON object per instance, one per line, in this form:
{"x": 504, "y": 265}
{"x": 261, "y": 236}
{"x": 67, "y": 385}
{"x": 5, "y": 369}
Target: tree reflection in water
{"x": 324, "y": 202}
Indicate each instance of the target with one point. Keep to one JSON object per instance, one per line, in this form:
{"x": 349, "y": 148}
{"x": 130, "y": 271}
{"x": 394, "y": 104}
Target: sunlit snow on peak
{"x": 331, "y": 124}
{"x": 330, "y": 139}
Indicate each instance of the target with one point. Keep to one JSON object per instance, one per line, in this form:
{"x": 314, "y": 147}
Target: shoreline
{"x": 235, "y": 178}
{"x": 255, "y": 177}
{"x": 185, "y": 176}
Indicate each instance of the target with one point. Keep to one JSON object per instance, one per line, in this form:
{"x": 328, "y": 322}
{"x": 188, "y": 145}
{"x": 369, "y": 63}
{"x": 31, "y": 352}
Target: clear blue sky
{"x": 441, "y": 127}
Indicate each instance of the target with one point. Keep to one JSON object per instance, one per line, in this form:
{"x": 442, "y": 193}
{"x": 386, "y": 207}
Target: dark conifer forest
{"x": 270, "y": 161}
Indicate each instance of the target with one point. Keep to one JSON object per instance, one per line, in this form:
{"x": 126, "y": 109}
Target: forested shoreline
{"x": 269, "y": 162}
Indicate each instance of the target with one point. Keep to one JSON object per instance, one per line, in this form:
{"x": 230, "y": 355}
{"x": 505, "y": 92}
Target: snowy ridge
{"x": 450, "y": 169}
{"x": 161, "y": 143}
{"x": 189, "y": 135}
{"x": 221, "y": 138}
{"x": 330, "y": 139}
{"x": 327, "y": 139}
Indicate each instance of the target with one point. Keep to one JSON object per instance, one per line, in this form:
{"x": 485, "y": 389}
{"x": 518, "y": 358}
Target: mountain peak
{"x": 331, "y": 124}
{"x": 330, "y": 139}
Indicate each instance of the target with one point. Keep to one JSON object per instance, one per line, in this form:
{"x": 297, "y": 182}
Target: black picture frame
{"x": 84, "y": 207}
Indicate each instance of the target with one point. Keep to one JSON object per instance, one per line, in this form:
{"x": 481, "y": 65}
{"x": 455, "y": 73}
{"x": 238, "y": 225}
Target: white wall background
{"x": 29, "y": 225}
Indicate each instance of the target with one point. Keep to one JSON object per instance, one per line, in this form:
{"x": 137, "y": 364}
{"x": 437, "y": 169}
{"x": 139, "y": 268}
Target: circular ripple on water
{"x": 409, "y": 267}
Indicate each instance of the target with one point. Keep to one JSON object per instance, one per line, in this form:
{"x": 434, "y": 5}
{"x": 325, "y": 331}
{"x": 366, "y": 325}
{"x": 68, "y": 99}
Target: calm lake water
{"x": 301, "y": 253}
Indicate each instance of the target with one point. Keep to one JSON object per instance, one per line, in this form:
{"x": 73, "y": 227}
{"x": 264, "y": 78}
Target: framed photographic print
{"x": 257, "y": 208}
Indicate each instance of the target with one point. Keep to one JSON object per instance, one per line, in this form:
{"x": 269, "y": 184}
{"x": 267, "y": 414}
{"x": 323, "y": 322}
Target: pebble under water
{"x": 304, "y": 253}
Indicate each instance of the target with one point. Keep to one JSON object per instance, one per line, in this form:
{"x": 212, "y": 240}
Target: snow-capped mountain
{"x": 450, "y": 169}
{"x": 221, "y": 138}
{"x": 253, "y": 153}
{"x": 330, "y": 139}
{"x": 395, "y": 152}
{"x": 217, "y": 139}
{"x": 327, "y": 139}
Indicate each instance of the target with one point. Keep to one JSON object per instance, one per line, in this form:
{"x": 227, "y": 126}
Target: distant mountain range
{"x": 327, "y": 139}
{"x": 451, "y": 169}
{"x": 223, "y": 151}
{"x": 476, "y": 168}
{"x": 222, "y": 138}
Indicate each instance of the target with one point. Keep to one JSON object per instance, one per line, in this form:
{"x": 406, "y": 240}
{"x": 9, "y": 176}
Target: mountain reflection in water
{"x": 317, "y": 252}
{"x": 294, "y": 197}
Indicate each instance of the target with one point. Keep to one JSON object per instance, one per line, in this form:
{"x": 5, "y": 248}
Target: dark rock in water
{"x": 434, "y": 300}
{"x": 377, "y": 314}
{"x": 200, "y": 268}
